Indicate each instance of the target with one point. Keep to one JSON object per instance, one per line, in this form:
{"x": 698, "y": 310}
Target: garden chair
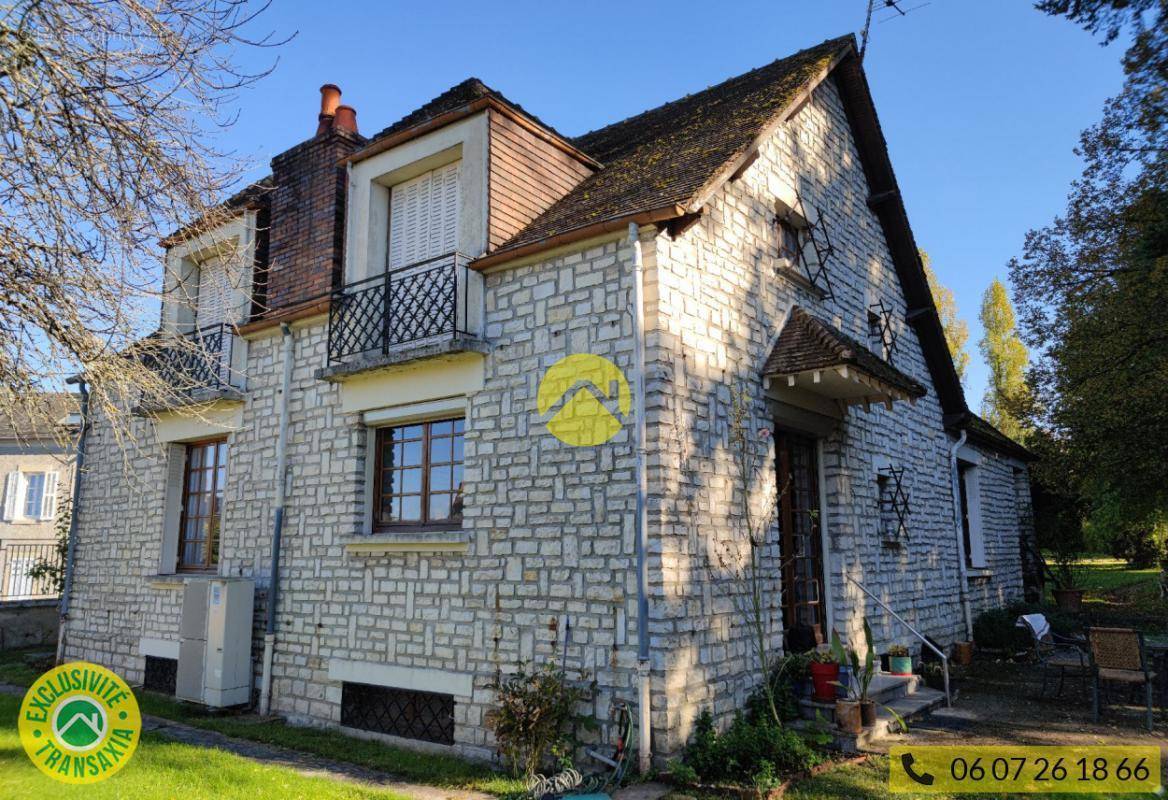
{"x": 1055, "y": 653}
{"x": 1118, "y": 656}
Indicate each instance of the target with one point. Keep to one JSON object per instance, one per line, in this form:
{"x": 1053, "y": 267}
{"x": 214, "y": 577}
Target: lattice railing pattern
{"x": 401, "y": 306}
{"x": 203, "y": 361}
{"x": 426, "y": 716}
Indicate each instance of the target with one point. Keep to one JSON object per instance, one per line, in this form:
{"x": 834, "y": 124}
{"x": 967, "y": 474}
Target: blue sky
{"x": 981, "y": 100}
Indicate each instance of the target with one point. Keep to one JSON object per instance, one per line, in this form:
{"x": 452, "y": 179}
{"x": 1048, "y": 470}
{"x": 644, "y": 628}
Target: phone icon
{"x": 906, "y": 761}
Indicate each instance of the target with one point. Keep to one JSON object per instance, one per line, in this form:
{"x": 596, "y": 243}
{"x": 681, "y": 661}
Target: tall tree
{"x": 1007, "y": 359}
{"x": 956, "y": 329}
{"x": 1091, "y": 287}
{"x": 111, "y": 110}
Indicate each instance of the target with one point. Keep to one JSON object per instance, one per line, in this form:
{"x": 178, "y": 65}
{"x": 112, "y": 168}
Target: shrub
{"x": 751, "y": 750}
{"x": 786, "y": 673}
{"x": 995, "y": 629}
{"x": 536, "y": 717}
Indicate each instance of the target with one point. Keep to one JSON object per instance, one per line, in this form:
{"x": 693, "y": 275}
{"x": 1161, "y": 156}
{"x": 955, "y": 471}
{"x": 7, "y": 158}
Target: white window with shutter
{"x": 423, "y": 217}
{"x": 214, "y": 293}
{"x": 11, "y": 491}
{"x": 49, "y": 499}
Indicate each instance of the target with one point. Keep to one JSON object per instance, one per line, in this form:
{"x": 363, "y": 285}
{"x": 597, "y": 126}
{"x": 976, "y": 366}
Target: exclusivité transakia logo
{"x": 79, "y": 723}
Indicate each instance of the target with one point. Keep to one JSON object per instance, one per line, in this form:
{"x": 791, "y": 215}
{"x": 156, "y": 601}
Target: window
{"x": 418, "y": 475}
{"x": 971, "y": 532}
{"x": 204, "y": 477}
{"x": 30, "y": 496}
{"x": 423, "y": 217}
{"x": 875, "y": 334}
{"x": 789, "y": 241}
{"x": 425, "y": 716}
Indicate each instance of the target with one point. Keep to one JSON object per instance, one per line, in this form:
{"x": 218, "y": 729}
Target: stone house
{"x": 36, "y": 467}
{"x": 746, "y": 245}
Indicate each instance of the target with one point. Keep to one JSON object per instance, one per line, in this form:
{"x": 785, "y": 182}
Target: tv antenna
{"x": 894, "y": 6}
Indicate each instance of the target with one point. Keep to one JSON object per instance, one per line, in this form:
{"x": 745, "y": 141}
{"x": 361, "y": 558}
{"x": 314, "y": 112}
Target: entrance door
{"x": 800, "y": 543}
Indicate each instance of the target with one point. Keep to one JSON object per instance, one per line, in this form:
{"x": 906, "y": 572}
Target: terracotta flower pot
{"x": 868, "y": 713}
{"x": 900, "y": 665}
{"x": 848, "y": 716}
{"x": 1068, "y": 599}
{"x": 823, "y": 677}
{"x": 963, "y": 653}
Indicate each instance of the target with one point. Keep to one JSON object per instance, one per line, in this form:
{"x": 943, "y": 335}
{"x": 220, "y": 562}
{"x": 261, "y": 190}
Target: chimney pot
{"x": 330, "y": 98}
{"x": 345, "y": 119}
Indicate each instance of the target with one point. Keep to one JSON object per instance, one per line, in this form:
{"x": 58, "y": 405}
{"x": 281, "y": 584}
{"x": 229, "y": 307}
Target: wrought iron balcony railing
{"x": 425, "y": 300}
{"x": 204, "y": 359}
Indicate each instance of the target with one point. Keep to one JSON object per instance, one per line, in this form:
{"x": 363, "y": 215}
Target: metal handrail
{"x": 944, "y": 658}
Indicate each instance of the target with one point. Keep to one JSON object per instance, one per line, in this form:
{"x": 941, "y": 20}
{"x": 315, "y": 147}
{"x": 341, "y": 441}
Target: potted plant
{"x": 824, "y": 676}
{"x": 1067, "y": 594}
{"x": 899, "y": 661}
{"x": 863, "y": 674}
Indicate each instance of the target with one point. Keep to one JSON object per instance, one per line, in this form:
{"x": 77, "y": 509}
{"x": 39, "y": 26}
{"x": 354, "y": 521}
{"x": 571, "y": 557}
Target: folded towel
{"x": 1036, "y": 623}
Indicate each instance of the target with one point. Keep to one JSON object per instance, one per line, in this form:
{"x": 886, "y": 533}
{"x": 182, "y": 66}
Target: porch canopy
{"x": 814, "y": 356}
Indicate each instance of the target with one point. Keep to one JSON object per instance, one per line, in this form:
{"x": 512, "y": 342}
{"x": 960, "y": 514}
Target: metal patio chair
{"x": 1118, "y": 656}
{"x": 1055, "y": 653}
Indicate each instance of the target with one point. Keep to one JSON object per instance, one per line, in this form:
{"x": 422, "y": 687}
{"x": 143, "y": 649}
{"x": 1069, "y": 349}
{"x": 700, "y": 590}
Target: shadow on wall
{"x": 28, "y": 623}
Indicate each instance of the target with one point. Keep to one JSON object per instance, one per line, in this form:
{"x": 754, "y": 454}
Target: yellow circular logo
{"x": 581, "y": 393}
{"x": 79, "y": 723}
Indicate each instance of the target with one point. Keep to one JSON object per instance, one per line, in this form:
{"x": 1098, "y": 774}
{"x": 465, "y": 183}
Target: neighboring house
{"x": 36, "y": 462}
{"x": 435, "y": 532}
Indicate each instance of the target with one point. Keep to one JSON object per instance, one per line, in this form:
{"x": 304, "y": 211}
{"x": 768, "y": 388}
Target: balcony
{"x": 203, "y": 365}
{"x": 426, "y": 309}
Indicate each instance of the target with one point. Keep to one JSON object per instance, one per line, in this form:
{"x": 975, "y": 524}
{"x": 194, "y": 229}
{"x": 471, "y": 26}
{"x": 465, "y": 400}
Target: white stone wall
{"x": 721, "y": 303}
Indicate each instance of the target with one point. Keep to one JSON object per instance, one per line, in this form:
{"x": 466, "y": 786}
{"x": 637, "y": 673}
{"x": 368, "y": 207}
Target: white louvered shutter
{"x": 212, "y": 308}
{"x": 49, "y": 499}
{"x": 423, "y": 221}
{"x": 11, "y": 489}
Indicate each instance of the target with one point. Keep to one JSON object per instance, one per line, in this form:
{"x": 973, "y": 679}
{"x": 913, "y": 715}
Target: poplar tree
{"x": 956, "y": 329}
{"x": 1007, "y": 359}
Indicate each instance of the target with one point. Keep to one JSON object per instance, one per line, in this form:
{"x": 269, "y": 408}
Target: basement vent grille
{"x": 160, "y": 674}
{"x": 426, "y": 716}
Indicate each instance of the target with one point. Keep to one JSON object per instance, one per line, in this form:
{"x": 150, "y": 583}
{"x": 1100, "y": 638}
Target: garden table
{"x": 1156, "y": 646}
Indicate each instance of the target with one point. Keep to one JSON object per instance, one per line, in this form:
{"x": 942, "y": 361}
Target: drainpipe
{"x": 963, "y": 577}
{"x": 643, "y": 741}
{"x": 278, "y": 526}
{"x": 71, "y": 549}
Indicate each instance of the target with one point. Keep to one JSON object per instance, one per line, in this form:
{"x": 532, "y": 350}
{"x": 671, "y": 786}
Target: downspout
{"x": 644, "y": 745}
{"x": 278, "y": 526}
{"x": 71, "y": 548}
{"x": 961, "y": 555}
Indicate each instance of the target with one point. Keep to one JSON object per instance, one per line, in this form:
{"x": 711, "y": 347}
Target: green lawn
{"x": 433, "y": 770}
{"x": 165, "y": 769}
{"x": 1119, "y": 595}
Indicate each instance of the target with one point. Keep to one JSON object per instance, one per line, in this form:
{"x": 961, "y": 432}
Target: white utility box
{"x": 214, "y": 656}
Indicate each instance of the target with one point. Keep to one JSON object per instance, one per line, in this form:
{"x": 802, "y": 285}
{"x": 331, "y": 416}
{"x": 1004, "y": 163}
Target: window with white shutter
{"x": 11, "y": 489}
{"x": 49, "y": 501}
{"x": 423, "y": 217}
{"x": 213, "y": 293}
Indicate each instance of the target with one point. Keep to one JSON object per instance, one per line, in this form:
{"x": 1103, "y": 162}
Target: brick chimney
{"x": 306, "y": 246}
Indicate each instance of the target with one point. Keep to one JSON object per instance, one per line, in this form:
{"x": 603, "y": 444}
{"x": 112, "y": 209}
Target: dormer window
{"x": 423, "y": 217}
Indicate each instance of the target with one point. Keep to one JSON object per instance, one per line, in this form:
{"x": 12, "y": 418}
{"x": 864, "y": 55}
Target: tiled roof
{"x": 986, "y": 433}
{"x": 452, "y": 99}
{"x": 38, "y": 418}
{"x": 668, "y": 154}
{"x": 807, "y": 342}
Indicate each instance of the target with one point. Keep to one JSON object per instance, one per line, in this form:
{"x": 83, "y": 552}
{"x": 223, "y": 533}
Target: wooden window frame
{"x": 425, "y": 524}
{"x": 211, "y": 564}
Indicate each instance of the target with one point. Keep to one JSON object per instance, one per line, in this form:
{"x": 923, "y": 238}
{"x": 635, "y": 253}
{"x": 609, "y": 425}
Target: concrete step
{"x": 883, "y": 690}
{"x": 908, "y": 707}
